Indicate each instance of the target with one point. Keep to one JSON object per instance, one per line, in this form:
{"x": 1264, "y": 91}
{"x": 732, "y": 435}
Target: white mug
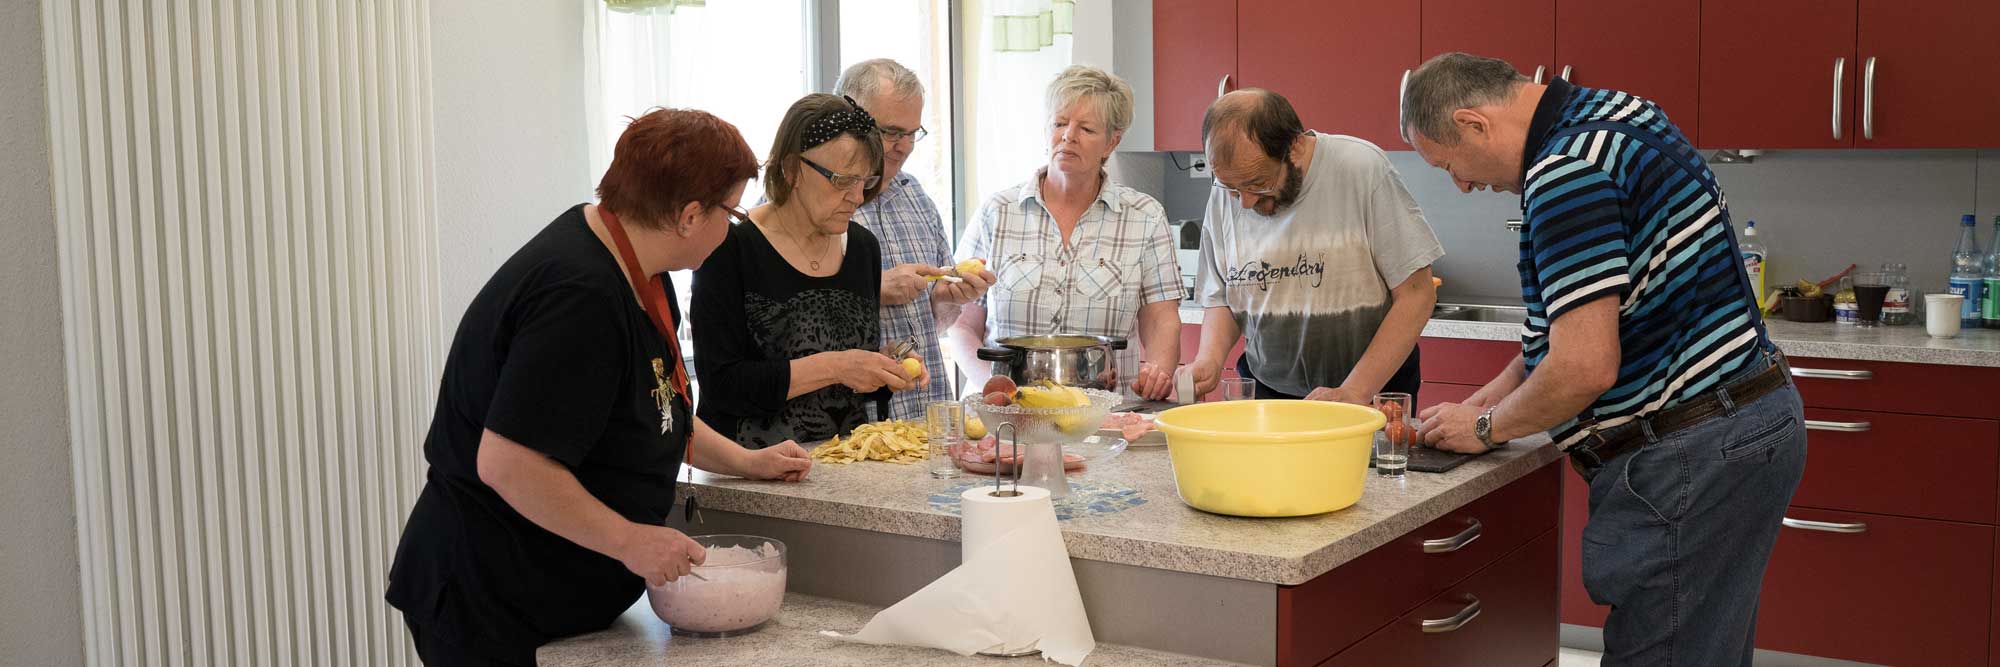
{"x": 1941, "y": 314}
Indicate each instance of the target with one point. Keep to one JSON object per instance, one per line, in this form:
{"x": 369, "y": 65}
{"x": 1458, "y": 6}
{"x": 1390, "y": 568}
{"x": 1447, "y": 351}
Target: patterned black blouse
{"x": 752, "y": 313}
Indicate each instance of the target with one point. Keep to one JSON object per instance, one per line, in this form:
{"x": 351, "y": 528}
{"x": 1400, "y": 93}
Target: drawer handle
{"x": 1824, "y": 374}
{"x": 1441, "y": 625}
{"x": 1825, "y": 527}
{"x": 1449, "y": 544}
{"x": 1843, "y": 427}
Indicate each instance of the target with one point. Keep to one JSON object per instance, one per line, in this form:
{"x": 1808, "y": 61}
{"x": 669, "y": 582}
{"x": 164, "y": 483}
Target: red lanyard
{"x": 653, "y": 292}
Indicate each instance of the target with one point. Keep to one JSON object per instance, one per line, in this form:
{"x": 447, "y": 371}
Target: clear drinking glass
{"x": 944, "y": 424}
{"x": 1870, "y": 289}
{"x": 1392, "y": 444}
{"x": 1238, "y": 389}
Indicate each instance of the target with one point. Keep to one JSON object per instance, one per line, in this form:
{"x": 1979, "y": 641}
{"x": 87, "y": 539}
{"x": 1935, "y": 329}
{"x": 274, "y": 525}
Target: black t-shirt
{"x": 752, "y": 314}
{"x": 556, "y": 354}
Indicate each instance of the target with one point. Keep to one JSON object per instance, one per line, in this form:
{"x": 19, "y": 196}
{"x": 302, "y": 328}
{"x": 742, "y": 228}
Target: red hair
{"x": 668, "y": 158}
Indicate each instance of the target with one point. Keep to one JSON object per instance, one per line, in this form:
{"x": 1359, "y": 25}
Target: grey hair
{"x": 1450, "y": 82}
{"x": 864, "y": 80}
{"x": 1113, "y": 95}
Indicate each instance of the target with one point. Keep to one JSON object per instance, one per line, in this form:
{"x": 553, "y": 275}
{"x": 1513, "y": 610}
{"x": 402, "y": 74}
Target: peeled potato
{"x": 913, "y": 368}
{"x": 974, "y": 429}
{"x": 973, "y": 265}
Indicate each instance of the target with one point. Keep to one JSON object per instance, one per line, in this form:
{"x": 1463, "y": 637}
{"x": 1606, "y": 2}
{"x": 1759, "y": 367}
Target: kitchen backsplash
{"x": 1818, "y": 211}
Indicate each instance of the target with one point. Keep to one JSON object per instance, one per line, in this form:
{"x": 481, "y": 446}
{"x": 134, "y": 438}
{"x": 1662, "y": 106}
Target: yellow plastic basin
{"x": 1270, "y": 458}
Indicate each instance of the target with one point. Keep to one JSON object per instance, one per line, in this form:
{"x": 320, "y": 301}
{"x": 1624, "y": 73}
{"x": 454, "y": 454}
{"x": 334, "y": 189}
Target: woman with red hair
{"x": 564, "y": 414}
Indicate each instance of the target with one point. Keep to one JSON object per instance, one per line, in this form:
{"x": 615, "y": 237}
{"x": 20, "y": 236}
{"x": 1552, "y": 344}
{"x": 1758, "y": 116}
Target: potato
{"x": 913, "y": 368}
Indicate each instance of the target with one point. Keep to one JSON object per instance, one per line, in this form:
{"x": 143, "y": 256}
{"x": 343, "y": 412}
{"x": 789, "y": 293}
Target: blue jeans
{"x": 1680, "y": 531}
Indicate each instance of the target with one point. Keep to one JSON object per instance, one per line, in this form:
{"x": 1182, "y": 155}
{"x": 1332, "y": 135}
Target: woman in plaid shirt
{"x": 1074, "y": 252}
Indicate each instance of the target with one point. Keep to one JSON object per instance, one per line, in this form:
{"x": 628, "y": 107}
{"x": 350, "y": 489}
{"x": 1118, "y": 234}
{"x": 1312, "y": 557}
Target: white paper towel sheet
{"x": 1013, "y": 591}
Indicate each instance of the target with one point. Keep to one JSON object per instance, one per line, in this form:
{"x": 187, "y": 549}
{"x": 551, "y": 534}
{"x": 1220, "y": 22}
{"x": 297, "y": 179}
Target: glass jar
{"x": 1898, "y": 308}
{"x": 1845, "y": 309}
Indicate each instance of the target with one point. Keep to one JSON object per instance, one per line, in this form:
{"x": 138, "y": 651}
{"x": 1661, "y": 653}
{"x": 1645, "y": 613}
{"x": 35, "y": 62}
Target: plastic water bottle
{"x": 1968, "y": 273}
{"x": 1754, "y": 257}
{"x": 1990, "y": 300}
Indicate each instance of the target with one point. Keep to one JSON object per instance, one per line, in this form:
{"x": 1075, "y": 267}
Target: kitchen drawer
{"x": 1908, "y": 465}
{"x": 1434, "y": 393}
{"x": 1918, "y": 389}
{"x": 1898, "y": 592}
{"x": 1318, "y": 618}
{"x": 1504, "y": 615}
{"x": 1461, "y": 361}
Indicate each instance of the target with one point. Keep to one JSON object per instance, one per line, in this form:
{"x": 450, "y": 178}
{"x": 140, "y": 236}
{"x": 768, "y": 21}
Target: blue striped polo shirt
{"x": 1609, "y": 215}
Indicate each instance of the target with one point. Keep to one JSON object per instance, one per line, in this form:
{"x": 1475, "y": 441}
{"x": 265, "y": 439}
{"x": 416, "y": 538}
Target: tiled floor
{"x": 1578, "y": 658}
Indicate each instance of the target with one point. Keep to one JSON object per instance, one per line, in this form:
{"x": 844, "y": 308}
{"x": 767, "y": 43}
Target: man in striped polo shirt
{"x": 1643, "y": 354}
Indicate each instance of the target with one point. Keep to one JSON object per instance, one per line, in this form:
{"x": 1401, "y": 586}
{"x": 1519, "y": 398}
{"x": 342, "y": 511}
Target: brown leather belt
{"x": 1599, "y": 447}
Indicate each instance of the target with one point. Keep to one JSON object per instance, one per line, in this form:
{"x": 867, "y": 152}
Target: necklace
{"x": 800, "y": 246}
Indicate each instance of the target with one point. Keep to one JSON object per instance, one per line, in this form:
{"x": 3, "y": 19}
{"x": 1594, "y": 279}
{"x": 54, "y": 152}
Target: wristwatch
{"x": 1483, "y": 428}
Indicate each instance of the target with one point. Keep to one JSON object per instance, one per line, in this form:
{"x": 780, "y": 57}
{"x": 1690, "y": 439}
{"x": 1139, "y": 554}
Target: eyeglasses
{"x": 842, "y": 181}
{"x": 1262, "y": 191}
{"x": 892, "y": 135}
{"x": 735, "y": 214}
{"x": 1239, "y": 192}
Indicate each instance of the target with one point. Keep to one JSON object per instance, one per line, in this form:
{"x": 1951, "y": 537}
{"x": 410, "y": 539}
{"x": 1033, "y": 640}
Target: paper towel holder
{"x": 1018, "y": 462}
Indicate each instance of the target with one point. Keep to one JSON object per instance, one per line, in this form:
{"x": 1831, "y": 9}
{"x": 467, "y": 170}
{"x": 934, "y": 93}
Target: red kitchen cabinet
{"x": 1778, "y": 74}
{"x": 1927, "y": 73}
{"x": 1501, "y": 616}
{"x": 1882, "y": 386}
{"x": 1340, "y": 62}
{"x": 1521, "y": 32}
{"x": 1577, "y": 608}
{"x": 1465, "y": 361}
{"x": 1892, "y": 591}
{"x": 1848, "y": 452}
{"x": 1194, "y": 48}
{"x": 1433, "y": 393}
{"x": 1596, "y": 46}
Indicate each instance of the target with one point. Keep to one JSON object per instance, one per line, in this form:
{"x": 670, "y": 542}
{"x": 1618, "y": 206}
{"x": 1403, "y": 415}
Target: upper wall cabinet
{"x": 1929, "y": 74}
{"x": 1596, "y": 46}
{"x": 1339, "y": 62}
{"x": 1194, "y": 56}
{"x": 1521, "y": 32}
{"x": 1777, "y": 74}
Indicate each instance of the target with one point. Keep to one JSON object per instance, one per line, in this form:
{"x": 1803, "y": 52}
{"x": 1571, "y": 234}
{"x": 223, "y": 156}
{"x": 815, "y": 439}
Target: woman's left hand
{"x": 785, "y": 461}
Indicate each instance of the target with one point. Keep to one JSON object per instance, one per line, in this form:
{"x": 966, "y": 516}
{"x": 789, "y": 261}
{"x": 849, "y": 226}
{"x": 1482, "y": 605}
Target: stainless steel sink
{"x": 1472, "y": 313}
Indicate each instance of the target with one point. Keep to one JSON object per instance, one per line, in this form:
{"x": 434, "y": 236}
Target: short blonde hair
{"x": 1113, "y": 95}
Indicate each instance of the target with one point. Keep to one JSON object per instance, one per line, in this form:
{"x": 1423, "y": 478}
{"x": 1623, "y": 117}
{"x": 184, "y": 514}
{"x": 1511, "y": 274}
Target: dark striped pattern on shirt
{"x": 1609, "y": 215}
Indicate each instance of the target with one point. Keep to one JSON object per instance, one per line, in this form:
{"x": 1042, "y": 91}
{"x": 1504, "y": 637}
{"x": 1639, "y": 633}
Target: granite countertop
{"x": 1824, "y": 340}
{"x": 640, "y": 638}
{"x": 1163, "y": 533}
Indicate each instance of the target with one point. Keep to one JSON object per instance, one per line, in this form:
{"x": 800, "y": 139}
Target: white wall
{"x": 512, "y": 146}
{"x": 41, "y": 622}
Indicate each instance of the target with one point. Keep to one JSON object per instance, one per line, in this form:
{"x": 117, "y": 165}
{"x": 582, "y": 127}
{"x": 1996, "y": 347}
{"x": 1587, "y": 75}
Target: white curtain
{"x": 1011, "y": 138}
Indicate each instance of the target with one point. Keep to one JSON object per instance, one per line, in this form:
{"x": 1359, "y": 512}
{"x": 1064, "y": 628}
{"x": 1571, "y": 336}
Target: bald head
{"x": 1250, "y": 117}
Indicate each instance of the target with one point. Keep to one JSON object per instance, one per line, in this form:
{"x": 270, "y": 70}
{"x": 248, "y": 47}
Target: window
{"x": 916, "y": 33}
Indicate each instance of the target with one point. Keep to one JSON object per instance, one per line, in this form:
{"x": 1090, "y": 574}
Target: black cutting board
{"x": 1426, "y": 459}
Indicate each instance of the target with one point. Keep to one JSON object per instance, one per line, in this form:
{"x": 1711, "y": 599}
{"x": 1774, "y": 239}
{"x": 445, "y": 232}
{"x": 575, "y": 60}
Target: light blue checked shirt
{"x": 907, "y": 223}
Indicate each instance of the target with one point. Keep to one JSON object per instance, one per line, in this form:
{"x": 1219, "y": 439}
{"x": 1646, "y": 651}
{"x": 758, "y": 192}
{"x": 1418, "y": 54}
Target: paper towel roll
{"x": 987, "y": 517}
{"x": 1015, "y": 589}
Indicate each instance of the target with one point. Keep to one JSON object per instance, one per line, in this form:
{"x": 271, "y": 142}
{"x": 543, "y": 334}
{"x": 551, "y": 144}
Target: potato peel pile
{"x": 892, "y": 441}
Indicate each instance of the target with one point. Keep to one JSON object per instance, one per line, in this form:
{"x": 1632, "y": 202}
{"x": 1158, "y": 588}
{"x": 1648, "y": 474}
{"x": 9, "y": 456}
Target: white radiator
{"x": 244, "y": 201}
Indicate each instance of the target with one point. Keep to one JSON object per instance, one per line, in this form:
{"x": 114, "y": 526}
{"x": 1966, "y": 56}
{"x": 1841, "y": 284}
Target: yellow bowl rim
{"x": 1165, "y": 425}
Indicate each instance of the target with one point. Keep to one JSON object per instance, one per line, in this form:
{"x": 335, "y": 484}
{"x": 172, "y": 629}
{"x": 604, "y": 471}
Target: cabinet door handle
{"x": 1222, "y": 87}
{"x": 1839, "y": 77}
{"x": 1565, "y": 73}
{"x": 1539, "y": 71}
{"x": 1823, "y": 374}
{"x": 1843, "y": 427}
{"x": 1445, "y": 545}
{"x": 1402, "y": 89}
{"x": 1825, "y": 527}
{"x": 1456, "y": 621}
{"x": 1868, "y": 99}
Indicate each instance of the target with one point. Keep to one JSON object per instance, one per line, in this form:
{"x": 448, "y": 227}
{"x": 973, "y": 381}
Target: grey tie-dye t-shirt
{"x": 1310, "y": 285}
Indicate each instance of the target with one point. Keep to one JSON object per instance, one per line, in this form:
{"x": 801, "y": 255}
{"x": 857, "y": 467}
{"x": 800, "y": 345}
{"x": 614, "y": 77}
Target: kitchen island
{"x": 1161, "y": 576}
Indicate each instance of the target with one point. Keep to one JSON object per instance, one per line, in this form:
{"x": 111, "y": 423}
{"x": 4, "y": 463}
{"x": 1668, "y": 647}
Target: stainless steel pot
{"x": 1068, "y": 359}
